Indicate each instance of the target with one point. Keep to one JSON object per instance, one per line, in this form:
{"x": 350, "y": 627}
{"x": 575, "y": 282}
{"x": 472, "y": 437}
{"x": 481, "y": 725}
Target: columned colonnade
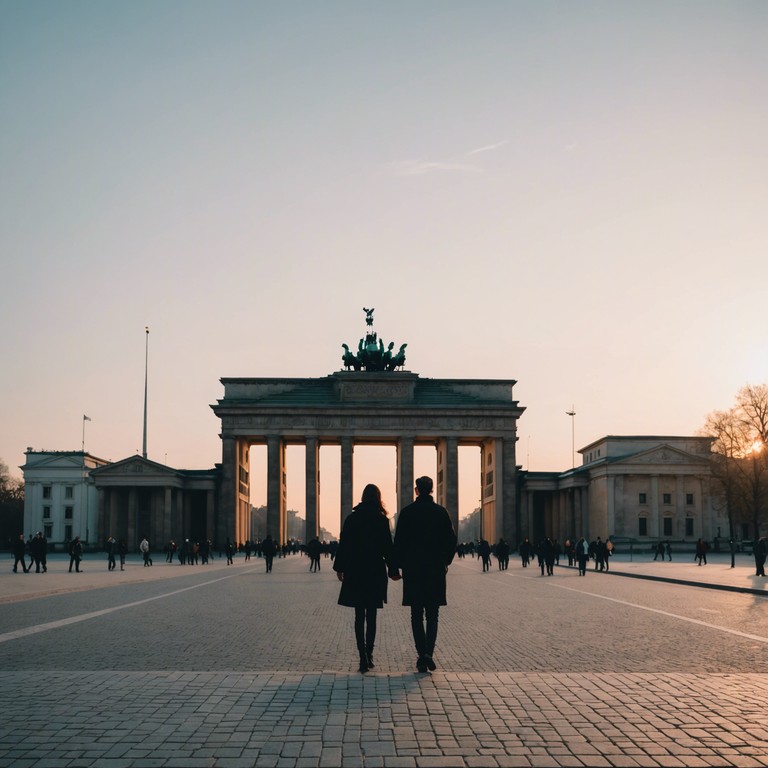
{"x": 351, "y": 408}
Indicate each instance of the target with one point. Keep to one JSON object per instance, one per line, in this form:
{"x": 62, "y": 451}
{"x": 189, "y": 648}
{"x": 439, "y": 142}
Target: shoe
{"x": 363, "y": 662}
{"x": 421, "y": 664}
{"x": 431, "y": 666}
{"x": 369, "y": 658}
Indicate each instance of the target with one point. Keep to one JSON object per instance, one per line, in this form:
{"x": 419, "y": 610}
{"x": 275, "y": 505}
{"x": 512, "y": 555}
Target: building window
{"x": 667, "y": 526}
{"x": 48, "y": 531}
{"x": 68, "y": 533}
{"x": 667, "y": 498}
{"x": 69, "y": 492}
{"x": 46, "y": 491}
{"x": 689, "y": 498}
{"x": 68, "y": 513}
{"x": 689, "y": 526}
{"x": 46, "y": 513}
{"x": 642, "y": 526}
{"x": 643, "y": 499}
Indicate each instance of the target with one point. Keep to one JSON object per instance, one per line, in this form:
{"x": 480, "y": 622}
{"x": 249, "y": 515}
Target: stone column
{"x": 447, "y": 481}
{"x": 133, "y": 541}
{"x": 680, "y": 508}
{"x": 276, "y": 488}
{"x": 209, "y": 513}
{"x": 105, "y": 528}
{"x": 173, "y": 530}
{"x": 405, "y": 478}
{"x": 312, "y": 506}
{"x": 655, "y": 509}
{"x": 228, "y": 493}
{"x": 347, "y": 450}
{"x": 506, "y": 493}
{"x": 610, "y": 522}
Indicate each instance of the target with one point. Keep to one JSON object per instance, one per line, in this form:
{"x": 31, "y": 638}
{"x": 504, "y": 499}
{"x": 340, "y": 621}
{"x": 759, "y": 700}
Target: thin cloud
{"x": 487, "y": 148}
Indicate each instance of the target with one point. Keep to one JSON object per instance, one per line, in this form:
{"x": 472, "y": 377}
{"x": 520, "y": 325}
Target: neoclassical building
{"x": 72, "y": 493}
{"x": 642, "y": 488}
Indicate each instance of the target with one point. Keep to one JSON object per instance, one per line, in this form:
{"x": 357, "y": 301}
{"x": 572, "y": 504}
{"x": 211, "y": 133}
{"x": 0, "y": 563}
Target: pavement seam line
{"x": 27, "y": 631}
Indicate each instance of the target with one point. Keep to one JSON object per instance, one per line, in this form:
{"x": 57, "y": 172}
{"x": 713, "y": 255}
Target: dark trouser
{"x": 365, "y": 628}
{"x": 269, "y": 559}
{"x": 74, "y": 561}
{"x": 583, "y": 564}
{"x": 20, "y": 559}
{"x": 424, "y": 640}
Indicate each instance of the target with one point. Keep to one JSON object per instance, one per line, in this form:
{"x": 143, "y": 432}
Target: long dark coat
{"x": 425, "y": 544}
{"x": 363, "y": 556}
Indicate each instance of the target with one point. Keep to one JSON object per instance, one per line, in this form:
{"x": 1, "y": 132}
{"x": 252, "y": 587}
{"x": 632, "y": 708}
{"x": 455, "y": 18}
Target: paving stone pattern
{"x": 524, "y": 680}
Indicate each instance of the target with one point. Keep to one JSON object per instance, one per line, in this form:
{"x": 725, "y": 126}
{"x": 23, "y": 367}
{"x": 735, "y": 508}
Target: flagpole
{"x": 146, "y": 366}
{"x": 85, "y": 418}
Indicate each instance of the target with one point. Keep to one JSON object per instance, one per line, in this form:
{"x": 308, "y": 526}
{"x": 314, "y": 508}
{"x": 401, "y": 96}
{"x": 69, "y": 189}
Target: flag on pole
{"x": 86, "y": 418}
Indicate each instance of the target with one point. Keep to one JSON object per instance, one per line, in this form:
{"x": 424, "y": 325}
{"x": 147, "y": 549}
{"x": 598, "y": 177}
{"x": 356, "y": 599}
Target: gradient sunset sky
{"x": 570, "y": 194}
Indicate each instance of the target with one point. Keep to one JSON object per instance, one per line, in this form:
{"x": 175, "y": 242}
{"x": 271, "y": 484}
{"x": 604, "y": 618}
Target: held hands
{"x": 339, "y": 575}
{"x": 394, "y": 574}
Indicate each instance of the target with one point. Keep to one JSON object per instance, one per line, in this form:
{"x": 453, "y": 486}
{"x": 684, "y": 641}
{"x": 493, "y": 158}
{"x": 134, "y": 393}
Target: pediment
{"x": 662, "y": 454}
{"x": 135, "y": 465}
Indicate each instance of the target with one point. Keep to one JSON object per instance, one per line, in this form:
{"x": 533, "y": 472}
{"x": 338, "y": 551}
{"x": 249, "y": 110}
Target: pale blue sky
{"x": 570, "y": 194}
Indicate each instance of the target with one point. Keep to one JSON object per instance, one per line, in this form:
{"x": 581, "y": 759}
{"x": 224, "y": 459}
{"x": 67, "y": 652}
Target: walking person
{"x": 361, "y": 564}
{"x": 760, "y": 551}
{"x": 144, "y": 547}
{"x": 582, "y": 555}
{"x": 39, "y": 552}
{"x": 425, "y": 544}
{"x": 19, "y": 555}
{"x": 268, "y": 549}
{"x": 111, "y": 546}
{"x": 484, "y": 551}
{"x": 75, "y": 555}
{"x": 122, "y": 550}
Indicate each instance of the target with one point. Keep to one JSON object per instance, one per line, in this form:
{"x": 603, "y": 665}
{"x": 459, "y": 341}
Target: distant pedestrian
{"x": 19, "y": 554}
{"x": 524, "y": 551}
{"x": 39, "y": 552}
{"x": 75, "y": 554}
{"x": 701, "y": 551}
{"x": 669, "y": 552}
{"x": 760, "y": 551}
{"x": 582, "y": 555}
{"x": 361, "y": 564}
{"x": 229, "y": 549}
{"x": 425, "y": 544}
{"x": 314, "y": 549}
{"x": 484, "y": 551}
{"x": 122, "y": 550}
{"x": 111, "y": 547}
{"x": 659, "y": 551}
{"x": 268, "y": 549}
{"x": 144, "y": 548}
{"x": 502, "y": 554}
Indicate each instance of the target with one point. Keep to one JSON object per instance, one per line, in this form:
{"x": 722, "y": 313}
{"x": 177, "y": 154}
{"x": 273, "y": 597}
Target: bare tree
{"x": 11, "y": 506}
{"x": 740, "y": 457}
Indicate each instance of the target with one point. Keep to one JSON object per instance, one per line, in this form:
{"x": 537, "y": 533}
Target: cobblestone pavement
{"x": 230, "y": 667}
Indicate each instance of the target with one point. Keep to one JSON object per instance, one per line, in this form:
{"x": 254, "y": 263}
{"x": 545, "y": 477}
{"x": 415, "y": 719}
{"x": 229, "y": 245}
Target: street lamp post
{"x": 572, "y": 414}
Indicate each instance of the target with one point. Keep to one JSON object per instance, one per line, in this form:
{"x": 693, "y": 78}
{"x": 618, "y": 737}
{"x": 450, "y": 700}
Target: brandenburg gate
{"x": 373, "y": 402}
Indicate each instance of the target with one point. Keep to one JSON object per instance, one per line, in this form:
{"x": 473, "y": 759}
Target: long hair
{"x": 372, "y": 497}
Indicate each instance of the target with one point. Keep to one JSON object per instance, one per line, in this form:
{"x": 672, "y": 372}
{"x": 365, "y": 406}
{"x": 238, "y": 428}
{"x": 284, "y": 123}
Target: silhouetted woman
{"x": 361, "y": 564}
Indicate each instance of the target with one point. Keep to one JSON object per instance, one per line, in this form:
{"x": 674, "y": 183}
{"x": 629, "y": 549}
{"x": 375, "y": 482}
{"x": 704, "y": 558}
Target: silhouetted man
{"x": 425, "y": 544}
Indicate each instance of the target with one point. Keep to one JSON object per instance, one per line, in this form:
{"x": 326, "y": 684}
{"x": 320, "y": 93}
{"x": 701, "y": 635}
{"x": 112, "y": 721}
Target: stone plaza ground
{"x": 653, "y": 664}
